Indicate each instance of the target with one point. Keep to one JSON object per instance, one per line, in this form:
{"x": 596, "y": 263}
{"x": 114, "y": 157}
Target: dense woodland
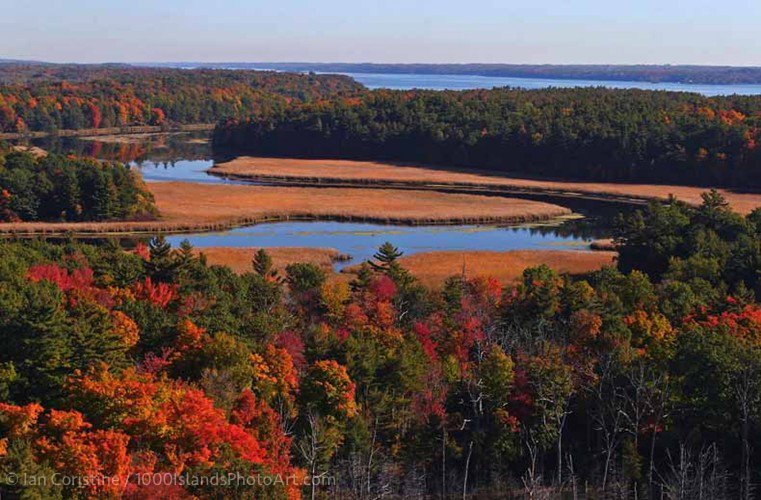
{"x": 63, "y": 188}
{"x": 55, "y": 97}
{"x": 640, "y": 380}
{"x": 594, "y": 134}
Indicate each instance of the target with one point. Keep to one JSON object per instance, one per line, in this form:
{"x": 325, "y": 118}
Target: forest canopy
{"x": 55, "y": 97}
{"x": 591, "y": 134}
{"x": 637, "y": 381}
{"x": 62, "y": 188}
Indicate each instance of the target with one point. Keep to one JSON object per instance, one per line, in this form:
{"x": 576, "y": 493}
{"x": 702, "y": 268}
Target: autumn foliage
{"x": 117, "y": 362}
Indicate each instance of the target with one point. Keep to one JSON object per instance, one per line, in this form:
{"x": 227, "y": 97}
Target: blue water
{"x": 464, "y": 82}
{"x": 180, "y": 170}
{"x": 361, "y": 240}
{"x": 397, "y": 81}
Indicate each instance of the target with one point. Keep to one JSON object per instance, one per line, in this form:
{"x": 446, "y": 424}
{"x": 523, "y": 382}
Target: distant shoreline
{"x": 643, "y": 73}
{"x": 140, "y": 129}
{"x": 678, "y": 74}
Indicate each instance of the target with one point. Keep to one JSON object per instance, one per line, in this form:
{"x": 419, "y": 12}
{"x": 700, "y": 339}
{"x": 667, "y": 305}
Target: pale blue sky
{"x": 549, "y": 31}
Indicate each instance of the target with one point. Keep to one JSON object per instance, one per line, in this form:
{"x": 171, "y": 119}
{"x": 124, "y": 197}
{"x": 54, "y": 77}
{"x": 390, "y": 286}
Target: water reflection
{"x": 361, "y": 240}
{"x": 137, "y": 148}
{"x": 188, "y": 156}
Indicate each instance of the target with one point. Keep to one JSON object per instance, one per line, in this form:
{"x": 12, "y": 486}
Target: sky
{"x": 401, "y": 31}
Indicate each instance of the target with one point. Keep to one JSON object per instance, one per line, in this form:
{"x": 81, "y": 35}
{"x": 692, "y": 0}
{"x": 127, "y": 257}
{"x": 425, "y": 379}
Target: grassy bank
{"x": 111, "y": 131}
{"x": 239, "y": 259}
{"x": 375, "y": 174}
{"x": 432, "y": 268}
{"x": 186, "y": 207}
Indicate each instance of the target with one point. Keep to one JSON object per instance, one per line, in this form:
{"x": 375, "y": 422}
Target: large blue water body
{"x": 465, "y": 82}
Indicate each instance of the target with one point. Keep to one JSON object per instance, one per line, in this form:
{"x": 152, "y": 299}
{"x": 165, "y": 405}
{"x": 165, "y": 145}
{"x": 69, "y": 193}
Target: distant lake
{"x": 398, "y": 81}
{"x": 464, "y": 82}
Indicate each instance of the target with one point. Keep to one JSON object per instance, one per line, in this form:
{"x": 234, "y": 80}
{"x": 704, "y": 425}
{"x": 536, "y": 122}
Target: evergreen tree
{"x": 162, "y": 265}
{"x": 185, "y": 256}
{"x": 263, "y": 265}
{"x": 386, "y": 257}
{"x": 304, "y": 277}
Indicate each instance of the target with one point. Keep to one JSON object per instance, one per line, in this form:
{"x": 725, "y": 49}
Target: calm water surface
{"x": 361, "y": 240}
{"x": 464, "y": 82}
{"x": 188, "y": 156}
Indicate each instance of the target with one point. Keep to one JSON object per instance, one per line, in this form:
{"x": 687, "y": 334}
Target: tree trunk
{"x": 467, "y": 466}
{"x": 443, "y": 462}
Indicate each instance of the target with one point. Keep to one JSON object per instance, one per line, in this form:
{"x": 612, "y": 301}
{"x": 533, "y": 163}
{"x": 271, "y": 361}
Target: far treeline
{"x": 48, "y": 98}
{"x": 724, "y": 75}
{"x": 587, "y": 134}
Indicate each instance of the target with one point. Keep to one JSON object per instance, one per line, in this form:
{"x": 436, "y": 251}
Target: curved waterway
{"x": 187, "y": 158}
{"x": 361, "y": 240}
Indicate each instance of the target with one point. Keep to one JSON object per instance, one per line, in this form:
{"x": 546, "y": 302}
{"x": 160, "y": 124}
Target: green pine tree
{"x": 162, "y": 265}
{"x": 386, "y": 257}
{"x": 262, "y": 263}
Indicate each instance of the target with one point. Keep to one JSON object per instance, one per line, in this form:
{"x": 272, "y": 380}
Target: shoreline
{"x": 94, "y": 132}
{"x": 239, "y": 258}
{"x": 380, "y": 175}
{"x": 146, "y": 228}
{"x": 432, "y": 268}
{"x": 192, "y": 207}
{"x": 507, "y": 266}
{"x": 454, "y": 187}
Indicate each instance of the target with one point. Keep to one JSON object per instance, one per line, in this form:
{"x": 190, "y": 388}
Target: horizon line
{"x": 368, "y": 63}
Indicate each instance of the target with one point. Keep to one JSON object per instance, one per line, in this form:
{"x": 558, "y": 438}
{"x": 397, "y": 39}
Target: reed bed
{"x": 377, "y": 174}
{"x": 606, "y": 244}
{"x": 433, "y": 268}
{"x": 189, "y": 207}
{"x": 239, "y": 259}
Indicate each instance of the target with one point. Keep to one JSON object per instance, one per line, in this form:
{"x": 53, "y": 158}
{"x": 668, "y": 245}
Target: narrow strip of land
{"x": 186, "y": 207}
{"x": 110, "y": 131}
{"x": 239, "y": 259}
{"x": 432, "y": 268}
{"x": 378, "y": 174}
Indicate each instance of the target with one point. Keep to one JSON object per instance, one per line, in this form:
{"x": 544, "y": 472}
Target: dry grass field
{"x": 374, "y": 173}
{"x": 603, "y": 244}
{"x": 239, "y": 259}
{"x": 206, "y": 207}
{"x": 33, "y": 150}
{"x": 128, "y": 138}
{"x": 432, "y": 268}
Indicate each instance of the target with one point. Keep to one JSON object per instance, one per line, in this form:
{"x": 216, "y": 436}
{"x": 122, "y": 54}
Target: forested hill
{"x": 147, "y": 367}
{"x": 589, "y": 134}
{"x": 48, "y": 97}
{"x": 723, "y": 75}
